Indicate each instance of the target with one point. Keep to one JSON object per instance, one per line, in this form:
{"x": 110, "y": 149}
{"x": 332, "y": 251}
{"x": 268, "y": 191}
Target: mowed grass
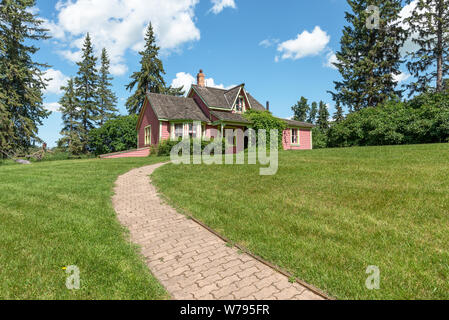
{"x": 329, "y": 214}
{"x": 58, "y": 214}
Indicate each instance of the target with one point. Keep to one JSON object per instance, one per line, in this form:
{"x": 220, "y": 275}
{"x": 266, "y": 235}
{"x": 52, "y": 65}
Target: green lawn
{"x": 56, "y": 214}
{"x": 329, "y": 214}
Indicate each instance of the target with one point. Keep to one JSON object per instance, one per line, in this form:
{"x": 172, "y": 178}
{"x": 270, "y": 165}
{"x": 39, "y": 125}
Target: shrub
{"x": 114, "y": 136}
{"x": 319, "y": 138}
{"x": 164, "y": 148}
{"x": 264, "y": 120}
{"x": 424, "y": 119}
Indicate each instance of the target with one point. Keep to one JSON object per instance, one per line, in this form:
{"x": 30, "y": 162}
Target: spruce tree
{"x": 107, "y": 99}
{"x": 21, "y": 78}
{"x": 339, "y": 115}
{"x": 323, "y": 117}
{"x": 429, "y": 25}
{"x": 370, "y": 55}
{"x": 150, "y": 77}
{"x": 72, "y": 128}
{"x": 301, "y": 110}
{"x": 86, "y": 88}
{"x": 313, "y": 113}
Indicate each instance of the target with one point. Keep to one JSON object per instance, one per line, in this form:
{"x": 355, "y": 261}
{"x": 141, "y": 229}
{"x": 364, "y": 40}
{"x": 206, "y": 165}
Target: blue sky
{"x": 279, "y": 49}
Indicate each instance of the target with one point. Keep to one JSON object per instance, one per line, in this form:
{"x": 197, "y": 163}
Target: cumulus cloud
{"x": 119, "y": 25}
{"x": 52, "y": 106}
{"x": 331, "y": 58}
{"x": 268, "y": 42}
{"x": 220, "y": 5}
{"x": 57, "y": 80}
{"x": 399, "y": 78}
{"x": 306, "y": 44}
{"x": 185, "y": 80}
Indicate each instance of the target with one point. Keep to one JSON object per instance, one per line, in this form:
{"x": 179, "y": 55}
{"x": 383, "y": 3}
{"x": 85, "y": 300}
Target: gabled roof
{"x": 224, "y": 99}
{"x": 255, "y": 105}
{"x": 295, "y": 123}
{"x": 175, "y": 108}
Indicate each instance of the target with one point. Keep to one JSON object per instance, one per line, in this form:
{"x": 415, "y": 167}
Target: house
{"x": 167, "y": 117}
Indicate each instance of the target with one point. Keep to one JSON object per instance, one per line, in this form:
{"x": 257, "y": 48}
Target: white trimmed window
{"x": 179, "y": 130}
{"x": 193, "y": 129}
{"x": 240, "y": 104}
{"x": 147, "y": 135}
{"x": 295, "y": 136}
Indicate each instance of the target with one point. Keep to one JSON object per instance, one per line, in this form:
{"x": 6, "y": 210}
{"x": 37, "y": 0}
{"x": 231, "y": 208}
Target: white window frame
{"x": 147, "y": 135}
{"x": 297, "y": 137}
{"x": 174, "y": 130}
{"x": 237, "y": 103}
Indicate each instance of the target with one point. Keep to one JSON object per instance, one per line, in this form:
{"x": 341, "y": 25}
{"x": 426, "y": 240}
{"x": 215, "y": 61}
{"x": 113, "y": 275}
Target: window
{"x": 147, "y": 135}
{"x": 192, "y": 130}
{"x": 240, "y": 105}
{"x": 295, "y": 136}
{"x": 179, "y": 128}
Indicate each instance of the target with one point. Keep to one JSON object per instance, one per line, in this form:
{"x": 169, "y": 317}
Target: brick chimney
{"x": 201, "y": 79}
{"x": 268, "y": 105}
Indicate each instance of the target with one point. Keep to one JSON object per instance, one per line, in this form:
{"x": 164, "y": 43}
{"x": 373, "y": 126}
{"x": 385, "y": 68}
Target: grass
{"x": 329, "y": 214}
{"x": 56, "y": 214}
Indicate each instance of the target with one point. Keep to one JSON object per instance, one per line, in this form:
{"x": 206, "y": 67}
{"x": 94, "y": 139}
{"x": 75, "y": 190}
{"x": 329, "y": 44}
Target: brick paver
{"x": 190, "y": 261}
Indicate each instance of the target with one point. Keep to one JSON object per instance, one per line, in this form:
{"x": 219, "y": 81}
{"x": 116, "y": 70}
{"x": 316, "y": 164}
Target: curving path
{"x": 190, "y": 261}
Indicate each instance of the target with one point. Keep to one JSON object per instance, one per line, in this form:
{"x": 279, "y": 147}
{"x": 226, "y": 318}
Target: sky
{"x": 281, "y": 50}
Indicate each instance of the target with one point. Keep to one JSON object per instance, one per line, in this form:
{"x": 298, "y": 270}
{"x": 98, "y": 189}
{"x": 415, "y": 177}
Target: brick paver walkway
{"x": 190, "y": 261}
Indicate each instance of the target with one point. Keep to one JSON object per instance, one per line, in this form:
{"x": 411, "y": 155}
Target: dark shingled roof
{"x": 229, "y": 116}
{"x": 255, "y": 105}
{"x": 295, "y": 123}
{"x": 175, "y": 108}
{"x": 213, "y": 97}
{"x": 224, "y": 99}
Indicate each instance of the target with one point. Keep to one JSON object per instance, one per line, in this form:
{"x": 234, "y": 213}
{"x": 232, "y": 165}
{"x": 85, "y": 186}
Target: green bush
{"x": 264, "y": 120}
{"x": 424, "y": 119}
{"x": 319, "y": 138}
{"x": 164, "y": 148}
{"x": 114, "y": 136}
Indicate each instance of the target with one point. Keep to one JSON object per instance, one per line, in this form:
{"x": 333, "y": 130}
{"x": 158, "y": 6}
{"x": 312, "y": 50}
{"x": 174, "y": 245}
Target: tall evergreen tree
{"x": 339, "y": 115}
{"x": 301, "y": 110}
{"x": 21, "y": 79}
{"x": 107, "y": 99}
{"x": 71, "y": 115}
{"x": 429, "y": 21}
{"x": 86, "y": 88}
{"x": 150, "y": 77}
{"x": 313, "y": 113}
{"x": 323, "y": 116}
{"x": 370, "y": 55}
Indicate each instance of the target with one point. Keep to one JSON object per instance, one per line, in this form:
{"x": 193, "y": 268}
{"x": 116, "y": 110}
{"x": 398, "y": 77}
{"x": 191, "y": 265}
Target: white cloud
{"x": 331, "y": 58}
{"x": 58, "y": 79}
{"x": 119, "y": 25}
{"x": 399, "y": 78}
{"x": 268, "y": 42}
{"x": 220, "y": 5}
{"x": 185, "y": 80}
{"x": 306, "y": 44}
{"x": 52, "y": 106}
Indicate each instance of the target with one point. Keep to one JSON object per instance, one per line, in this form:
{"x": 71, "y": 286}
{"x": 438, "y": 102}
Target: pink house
{"x": 167, "y": 117}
